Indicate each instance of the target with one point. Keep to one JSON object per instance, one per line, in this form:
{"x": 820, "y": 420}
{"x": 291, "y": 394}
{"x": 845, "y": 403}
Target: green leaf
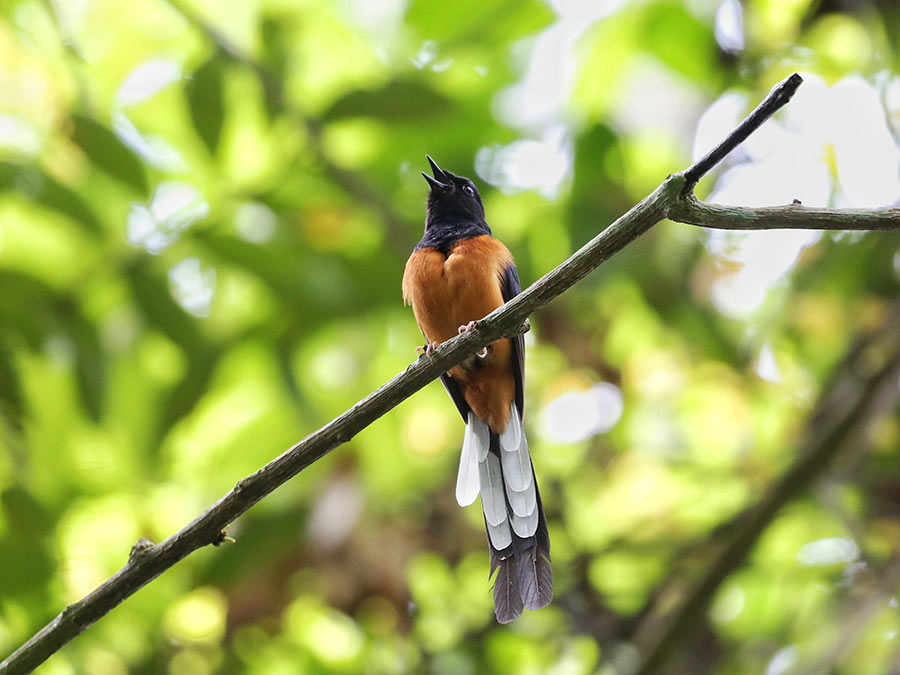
{"x": 280, "y": 268}
{"x": 36, "y": 186}
{"x": 26, "y": 306}
{"x": 162, "y": 312}
{"x": 275, "y": 56}
{"x": 320, "y": 286}
{"x": 90, "y": 365}
{"x": 108, "y": 153}
{"x": 26, "y": 563}
{"x": 398, "y": 100}
{"x": 206, "y": 103}
{"x": 34, "y": 311}
{"x": 597, "y": 193}
{"x": 160, "y": 309}
{"x": 10, "y": 387}
{"x": 192, "y": 387}
{"x": 681, "y": 41}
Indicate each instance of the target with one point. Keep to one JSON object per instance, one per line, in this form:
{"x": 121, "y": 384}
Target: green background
{"x": 205, "y": 210}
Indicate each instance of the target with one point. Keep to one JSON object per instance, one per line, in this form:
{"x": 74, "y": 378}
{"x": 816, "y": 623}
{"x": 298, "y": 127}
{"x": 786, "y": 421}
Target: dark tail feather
{"x": 535, "y": 574}
{"x": 507, "y": 601}
{"x": 535, "y": 578}
{"x": 524, "y": 577}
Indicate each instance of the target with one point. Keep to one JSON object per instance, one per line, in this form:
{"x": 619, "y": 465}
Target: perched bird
{"x": 457, "y": 274}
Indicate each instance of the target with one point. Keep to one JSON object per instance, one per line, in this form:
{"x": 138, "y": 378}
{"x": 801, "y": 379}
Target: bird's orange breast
{"x": 449, "y": 291}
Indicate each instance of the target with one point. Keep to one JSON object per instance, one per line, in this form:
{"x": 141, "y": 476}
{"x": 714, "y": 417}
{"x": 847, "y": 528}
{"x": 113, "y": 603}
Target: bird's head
{"x": 452, "y": 197}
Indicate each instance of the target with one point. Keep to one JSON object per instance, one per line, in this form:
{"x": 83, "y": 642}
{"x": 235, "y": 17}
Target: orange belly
{"x": 449, "y": 291}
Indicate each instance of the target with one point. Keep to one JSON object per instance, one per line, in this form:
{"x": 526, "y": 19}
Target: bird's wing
{"x": 510, "y": 287}
{"x": 452, "y": 387}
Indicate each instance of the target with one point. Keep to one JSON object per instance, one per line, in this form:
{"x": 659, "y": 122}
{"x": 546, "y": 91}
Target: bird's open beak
{"x": 440, "y": 180}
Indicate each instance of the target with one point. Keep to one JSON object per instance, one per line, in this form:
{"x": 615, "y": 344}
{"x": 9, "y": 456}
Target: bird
{"x": 457, "y": 274}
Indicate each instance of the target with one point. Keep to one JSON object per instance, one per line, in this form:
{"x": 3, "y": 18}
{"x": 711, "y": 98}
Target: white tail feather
{"x": 492, "y": 500}
{"x": 517, "y": 466}
{"x": 508, "y": 476}
{"x": 500, "y": 535}
{"x": 481, "y": 436}
{"x": 523, "y": 503}
{"x": 527, "y": 526}
{"x": 467, "y": 478}
{"x": 511, "y": 437}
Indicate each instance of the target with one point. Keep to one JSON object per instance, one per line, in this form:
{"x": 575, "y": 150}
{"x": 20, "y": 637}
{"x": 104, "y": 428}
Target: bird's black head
{"x": 453, "y": 200}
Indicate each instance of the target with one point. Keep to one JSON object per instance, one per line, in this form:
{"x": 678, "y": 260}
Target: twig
{"x": 781, "y": 93}
{"x": 150, "y": 560}
{"x": 792, "y": 216}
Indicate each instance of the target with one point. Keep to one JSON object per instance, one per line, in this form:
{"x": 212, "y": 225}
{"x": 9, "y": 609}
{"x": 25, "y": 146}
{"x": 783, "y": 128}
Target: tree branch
{"x": 148, "y": 561}
{"x": 688, "y": 209}
{"x": 792, "y": 216}
{"x": 781, "y": 93}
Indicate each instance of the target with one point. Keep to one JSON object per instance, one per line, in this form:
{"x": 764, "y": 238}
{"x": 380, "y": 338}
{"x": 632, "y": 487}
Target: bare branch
{"x": 781, "y": 93}
{"x": 148, "y": 561}
{"x": 792, "y": 216}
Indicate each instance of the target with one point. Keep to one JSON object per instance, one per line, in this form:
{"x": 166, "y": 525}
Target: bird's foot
{"x": 426, "y": 349}
{"x": 468, "y": 328}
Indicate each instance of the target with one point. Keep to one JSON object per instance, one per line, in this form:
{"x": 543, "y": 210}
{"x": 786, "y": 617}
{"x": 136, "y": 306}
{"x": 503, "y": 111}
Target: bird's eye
{"x": 468, "y": 189}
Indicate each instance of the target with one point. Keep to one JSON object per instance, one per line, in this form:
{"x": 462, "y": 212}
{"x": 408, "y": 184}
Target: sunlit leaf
{"x": 108, "y": 153}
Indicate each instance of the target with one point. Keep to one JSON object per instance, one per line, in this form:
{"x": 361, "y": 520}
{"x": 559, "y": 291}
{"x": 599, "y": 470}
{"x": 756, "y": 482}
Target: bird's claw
{"x": 427, "y": 349}
{"x": 468, "y": 328}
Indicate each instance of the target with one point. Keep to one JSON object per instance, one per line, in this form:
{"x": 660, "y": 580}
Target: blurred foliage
{"x": 204, "y": 217}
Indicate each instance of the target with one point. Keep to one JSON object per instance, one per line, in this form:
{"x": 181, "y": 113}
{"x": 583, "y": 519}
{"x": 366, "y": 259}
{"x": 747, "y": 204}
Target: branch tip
{"x": 780, "y": 94}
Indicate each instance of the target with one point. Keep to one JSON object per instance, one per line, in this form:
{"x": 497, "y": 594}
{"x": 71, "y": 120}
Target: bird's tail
{"x": 499, "y": 467}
